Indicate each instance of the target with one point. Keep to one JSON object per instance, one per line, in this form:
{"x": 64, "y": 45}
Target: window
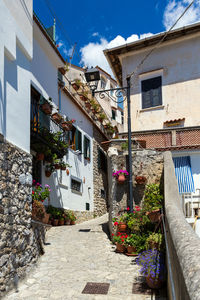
{"x": 75, "y": 139}
{"x": 111, "y": 92}
{"x": 151, "y": 92}
{"x": 103, "y": 83}
{"x": 113, "y": 114}
{"x": 122, "y": 116}
{"x": 75, "y": 185}
{"x": 86, "y": 148}
{"x": 102, "y": 160}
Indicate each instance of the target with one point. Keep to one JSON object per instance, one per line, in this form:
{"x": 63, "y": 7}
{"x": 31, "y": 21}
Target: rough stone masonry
{"x": 20, "y": 241}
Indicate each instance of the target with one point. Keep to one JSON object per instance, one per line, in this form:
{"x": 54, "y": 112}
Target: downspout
{"x": 59, "y": 99}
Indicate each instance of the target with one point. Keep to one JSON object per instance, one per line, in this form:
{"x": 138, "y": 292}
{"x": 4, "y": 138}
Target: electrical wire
{"x": 158, "y": 44}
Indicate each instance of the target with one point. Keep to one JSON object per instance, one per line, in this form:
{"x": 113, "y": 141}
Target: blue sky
{"x": 96, "y": 25}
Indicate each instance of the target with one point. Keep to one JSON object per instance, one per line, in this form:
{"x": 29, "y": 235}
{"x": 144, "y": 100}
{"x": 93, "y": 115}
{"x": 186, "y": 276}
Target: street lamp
{"x": 92, "y": 76}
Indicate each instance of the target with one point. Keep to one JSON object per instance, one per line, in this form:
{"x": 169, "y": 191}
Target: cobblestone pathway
{"x": 74, "y": 257}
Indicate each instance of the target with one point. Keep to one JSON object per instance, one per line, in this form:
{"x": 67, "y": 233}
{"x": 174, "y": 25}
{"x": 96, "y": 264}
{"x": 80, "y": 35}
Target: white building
{"x": 76, "y": 190}
{"x": 16, "y": 52}
{"x": 165, "y": 102}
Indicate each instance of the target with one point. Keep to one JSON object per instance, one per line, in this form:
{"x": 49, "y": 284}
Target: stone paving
{"x": 74, "y": 257}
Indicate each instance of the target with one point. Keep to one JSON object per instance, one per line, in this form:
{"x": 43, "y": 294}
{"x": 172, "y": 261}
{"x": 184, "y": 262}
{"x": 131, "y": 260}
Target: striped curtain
{"x": 184, "y": 174}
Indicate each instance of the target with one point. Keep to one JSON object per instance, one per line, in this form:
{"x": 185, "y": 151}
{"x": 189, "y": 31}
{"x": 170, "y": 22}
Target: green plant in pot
{"x": 154, "y": 241}
{"x": 119, "y": 240}
{"x": 153, "y": 201}
{"x": 101, "y": 117}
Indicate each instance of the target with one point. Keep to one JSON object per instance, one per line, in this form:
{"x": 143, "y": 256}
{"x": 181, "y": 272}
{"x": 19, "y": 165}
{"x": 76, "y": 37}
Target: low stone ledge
{"x": 184, "y": 244}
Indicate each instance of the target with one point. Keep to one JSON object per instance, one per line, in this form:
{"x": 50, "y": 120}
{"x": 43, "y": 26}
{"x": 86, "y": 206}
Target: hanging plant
{"x": 120, "y": 175}
{"x": 47, "y": 106}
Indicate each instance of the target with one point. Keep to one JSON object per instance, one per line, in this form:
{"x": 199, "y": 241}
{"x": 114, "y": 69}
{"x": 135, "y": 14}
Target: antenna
{"x": 71, "y": 57}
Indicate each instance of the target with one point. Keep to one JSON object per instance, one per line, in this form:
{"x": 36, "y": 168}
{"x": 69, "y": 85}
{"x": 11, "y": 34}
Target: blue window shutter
{"x": 184, "y": 174}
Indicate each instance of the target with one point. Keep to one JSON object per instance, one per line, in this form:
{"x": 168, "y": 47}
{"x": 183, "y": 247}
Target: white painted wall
{"x": 15, "y": 56}
{"x": 178, "y": 60}
{"x": 62, "y": 195}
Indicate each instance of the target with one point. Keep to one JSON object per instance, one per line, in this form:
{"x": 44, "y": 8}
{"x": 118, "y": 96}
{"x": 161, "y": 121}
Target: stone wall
{"x": 20, "y": 242}
{"x": 100, "y": 179}
{"x": 183, "y": 243}
{"x": 146, "y": 163}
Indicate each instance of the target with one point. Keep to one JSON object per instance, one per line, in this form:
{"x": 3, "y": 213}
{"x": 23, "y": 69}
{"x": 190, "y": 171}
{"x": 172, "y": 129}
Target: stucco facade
{"x": 15, "y": 76}
{"x": 175, "y": 60}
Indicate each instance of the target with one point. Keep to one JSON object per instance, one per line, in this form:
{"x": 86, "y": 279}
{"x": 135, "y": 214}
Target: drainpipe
{"x": 59, "y": 99}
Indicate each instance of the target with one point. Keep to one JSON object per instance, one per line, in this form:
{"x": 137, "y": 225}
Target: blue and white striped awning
{"x": 184, "y": 174}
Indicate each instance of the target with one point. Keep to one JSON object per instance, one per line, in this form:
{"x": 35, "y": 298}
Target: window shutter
{"x": 86, "y": 147}
{"x": 78, "y": 140}
{"x": 152, "y": 92}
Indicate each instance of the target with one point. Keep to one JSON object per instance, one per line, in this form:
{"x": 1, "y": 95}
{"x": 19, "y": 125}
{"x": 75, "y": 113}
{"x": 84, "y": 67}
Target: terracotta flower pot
{"x": 72, "y": 222}
{"x": 61, "y": 222}
{"x": 67, "y": 171}
{"x": 63, "y": 168}
{"x": 56, "y": 117}
{"x": 154, "y": 283}
{"x": 140, "y": 179}
{"x": 47, "y": 173}
{"x": 45, "y": 220}
{"x": 122, "y": 227}
{"x": 131, "y": 249}
{"x": 121, "y": 178}
{"x": 40, "y": 156}
{"x": 120, "y": 248}
{"x": 57, "y": 166}
{"x": 75, "y": 86}
{"x": 83, "y": 98}
{"x": 67, "y": 222}
{"x": 154, "y": 215}
{"x": 55, "y": 222}
{"x": 46, "y": 108}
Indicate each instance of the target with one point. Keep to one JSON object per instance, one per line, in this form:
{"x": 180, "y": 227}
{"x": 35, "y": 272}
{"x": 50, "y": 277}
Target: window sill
{"x": 152, "y": 108}
{"x": 76, "y": 192}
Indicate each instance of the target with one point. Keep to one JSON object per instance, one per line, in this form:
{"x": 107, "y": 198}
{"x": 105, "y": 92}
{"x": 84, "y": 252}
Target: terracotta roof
{"x": 174, "y": 121}
{"x": 112, "y": 54}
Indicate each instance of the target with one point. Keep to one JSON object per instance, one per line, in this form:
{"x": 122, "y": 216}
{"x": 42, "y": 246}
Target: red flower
{"x": 137, "y": 209}
{"x": 126, "y": 236}
{"x": 116, "y": 223}
{"x": 112, "y": 234}
{"x": 128, "y": 208}
{"x": 122, "y": 240}
{"x": 33, "y": 192}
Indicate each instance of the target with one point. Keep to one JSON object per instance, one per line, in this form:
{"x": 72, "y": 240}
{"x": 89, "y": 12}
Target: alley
{"x": 75, "y": 255}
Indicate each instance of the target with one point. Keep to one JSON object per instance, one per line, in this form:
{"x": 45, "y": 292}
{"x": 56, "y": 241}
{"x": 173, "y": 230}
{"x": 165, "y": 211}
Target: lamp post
{"x": 92, "y": 77}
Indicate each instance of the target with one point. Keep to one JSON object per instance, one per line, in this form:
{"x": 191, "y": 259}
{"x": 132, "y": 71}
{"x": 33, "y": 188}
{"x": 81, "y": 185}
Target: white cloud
{"x": 92, "y": 53}
{"x": 175, "y": 8}
{"x": 95, "y": 34}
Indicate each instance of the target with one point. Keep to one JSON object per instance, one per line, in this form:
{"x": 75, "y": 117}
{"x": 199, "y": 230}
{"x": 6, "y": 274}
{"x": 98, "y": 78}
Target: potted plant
{"x": 83, "y": 95}
{"x": 68, "y": 124}
{"x": 153, "y": 200}
{"x": 154, "y": 241}
{"x": 47, "y": 106}
{"x": 87, "y": 104}
{"x": 49, "y": 170}
{"x": 76, "y": 84}
{"x": 140, "y": 179}
{"x": 67, "y": 218}
{"x": 63, "y": 165}
{"x": 57, "y": 117}
{"x": 119, "y": 241}
{"x": 101, "y": 117}
{"x": 61, "y": 221}
{"x": 152, "y": 267}
{"x": 120, "y": 176}
{"x": 131, "y": 243}
{"x": 72, "y": 218}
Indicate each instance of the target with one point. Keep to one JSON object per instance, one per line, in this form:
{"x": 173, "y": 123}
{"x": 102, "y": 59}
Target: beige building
{"x": 166, "y": 87}
{"x": 107, "y": 100}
